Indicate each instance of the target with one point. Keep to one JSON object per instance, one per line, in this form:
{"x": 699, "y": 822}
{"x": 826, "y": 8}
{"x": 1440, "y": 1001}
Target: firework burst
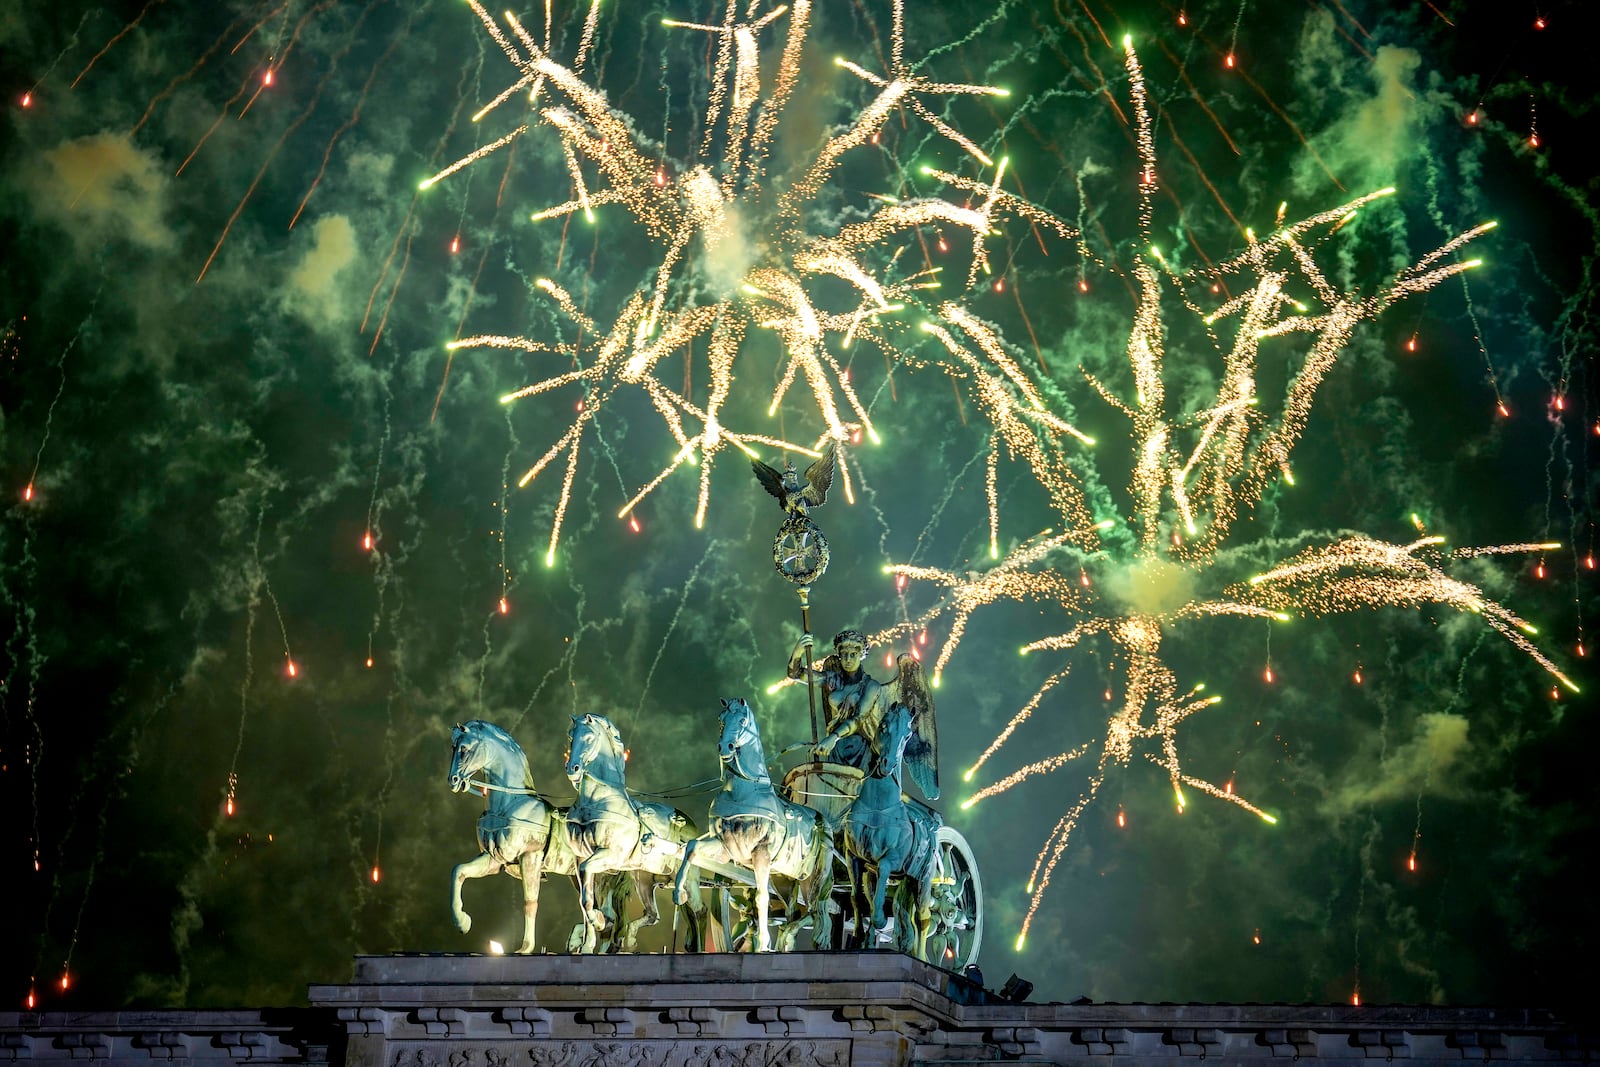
{"x": 735, "y": 260}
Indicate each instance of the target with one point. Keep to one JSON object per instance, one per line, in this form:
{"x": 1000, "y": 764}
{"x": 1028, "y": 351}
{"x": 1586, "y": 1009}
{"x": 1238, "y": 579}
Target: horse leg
{"x": 680, "y": 895}
{"x": 924, "y": 913}
{"x": 531, "y": 864}
{"x": 592, "y": 919}
{"x": 819, "y": 888}
{"x": 858, "y": 901}
{"x": 761, "y": 865}
{"x": 879, "y": 921}
{"x": 482, "y": 866}
{"x": 644, "y": 886}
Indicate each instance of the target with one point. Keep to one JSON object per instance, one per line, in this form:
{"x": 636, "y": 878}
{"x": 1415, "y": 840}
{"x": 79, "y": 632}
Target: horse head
{"x": 482, "y": 748}
{"x": 594, "y": 740}
{"x": 738, "y": 730}
{"x": 889, "y": 746}
{"x": 466, "y": 757}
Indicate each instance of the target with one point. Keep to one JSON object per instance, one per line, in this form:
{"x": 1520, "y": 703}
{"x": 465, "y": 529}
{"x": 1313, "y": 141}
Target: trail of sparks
{"x": 739, "y": 287}
{"x": 1193, "y": 476}
{"x": 129, "y": 28}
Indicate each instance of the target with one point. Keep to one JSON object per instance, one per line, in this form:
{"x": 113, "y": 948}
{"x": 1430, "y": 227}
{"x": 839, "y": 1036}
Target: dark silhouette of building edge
{"x": 737, "y": 1010}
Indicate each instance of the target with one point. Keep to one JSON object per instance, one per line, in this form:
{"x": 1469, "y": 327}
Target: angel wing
{"x": 922, "y": 751}
{"x": 771, "y": 480}
{"x": 819, "y": 477}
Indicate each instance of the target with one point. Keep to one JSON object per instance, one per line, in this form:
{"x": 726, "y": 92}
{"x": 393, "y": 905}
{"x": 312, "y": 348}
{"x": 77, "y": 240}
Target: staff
{"x": 800, "y": 552}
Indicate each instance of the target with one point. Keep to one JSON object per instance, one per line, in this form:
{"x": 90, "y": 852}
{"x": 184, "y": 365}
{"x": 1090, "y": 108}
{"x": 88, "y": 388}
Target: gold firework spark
{"x": 1193, "y": 475}
{"x": 733, "y": 261}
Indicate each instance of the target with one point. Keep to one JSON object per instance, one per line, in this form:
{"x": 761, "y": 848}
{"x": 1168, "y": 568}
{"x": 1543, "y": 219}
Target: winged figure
{"x": 794, "y": 496}
{"x": 910, "y": 688}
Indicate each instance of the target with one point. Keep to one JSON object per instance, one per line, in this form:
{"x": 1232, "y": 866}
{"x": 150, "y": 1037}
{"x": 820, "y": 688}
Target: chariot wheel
{"x": 955, "y": 932}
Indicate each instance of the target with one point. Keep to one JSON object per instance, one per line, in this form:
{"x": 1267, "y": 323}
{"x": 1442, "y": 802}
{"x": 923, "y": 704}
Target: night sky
{"x": 227, "y": 712}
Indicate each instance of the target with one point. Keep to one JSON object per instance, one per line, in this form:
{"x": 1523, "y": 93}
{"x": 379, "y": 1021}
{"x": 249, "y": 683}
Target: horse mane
{"x": 607, "y": 729}
{"x": 501, "y": 737}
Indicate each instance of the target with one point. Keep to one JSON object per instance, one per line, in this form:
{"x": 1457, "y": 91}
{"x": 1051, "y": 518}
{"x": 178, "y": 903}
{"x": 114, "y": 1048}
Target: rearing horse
{"x": 882, "y": 832}
{"x": 753, "y": 827}
{"x": 609, "y": 830}
{"x": 518, "y": 831}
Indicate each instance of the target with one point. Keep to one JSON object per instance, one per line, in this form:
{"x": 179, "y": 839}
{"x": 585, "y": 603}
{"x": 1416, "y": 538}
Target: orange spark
{"x": 27, "y": 494}
{"x": 374, "y": 873}
{"x": 505, "y": 606}
{"x": 294, "y": 671}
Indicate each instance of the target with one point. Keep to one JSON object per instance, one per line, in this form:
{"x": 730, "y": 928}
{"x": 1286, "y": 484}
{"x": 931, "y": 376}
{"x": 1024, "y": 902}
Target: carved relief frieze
{"x": 609, "y": 1052}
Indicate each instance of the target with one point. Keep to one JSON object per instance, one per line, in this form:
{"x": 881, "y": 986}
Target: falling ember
{"x": 1267, "y": 674}
{"x": 33, "y": 999}
{"x": 1227, "y": 787}
{"x": 65, "y": 980}
{"x": 369, "y": 663}
{"x": 27, "y": 101}
{"x": 1256, "y": 937}
{"x": 1539, "y": 23}
{"x": 1472, "y": 118}
{"x": 228, "y": 807}
{"x": 1411, "y": 863}
{"x": 1183, "y": 19}
{"x": 27, "y": 494}
{"x": 999, "y": 285}
{"x": 1538, "y": 572}
{"x": 1357, "y": 676}
{"x": 633, "y": 523}
{"x": 922, "y": 638}
{"x": 1588, "y": 561}
{"x": 1122, "y": 818}
{"x": 1561, "y": 402}
{"x": 505, "y": 606}
{"x": 1533, "y": 140}
{"x": 1229, "y": 61}
{"x": 1083, "y": 577}
{"x": 455, "y": 244}
{"x": 899, "y": 583}
{"x": 294, "y": 671}
{"x": 266, "y": 79}
{"x": 375, "y": 873}
{"x": 661, "y": 177}
{"x": 1505, "y": 412}
{"x": 366, "y": 540}
{"x": 1355, "y": 999}
{"x": 1411, "y": 345}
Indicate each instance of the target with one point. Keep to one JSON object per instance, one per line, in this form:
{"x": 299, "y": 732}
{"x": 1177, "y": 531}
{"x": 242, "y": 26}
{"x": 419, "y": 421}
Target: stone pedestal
{"x": 780, "y": 1010}
{"x": 853, "y": 1010}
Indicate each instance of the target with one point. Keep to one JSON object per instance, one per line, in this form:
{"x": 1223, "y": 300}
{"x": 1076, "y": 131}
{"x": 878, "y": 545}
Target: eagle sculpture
{"x": 794, "y": 496}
